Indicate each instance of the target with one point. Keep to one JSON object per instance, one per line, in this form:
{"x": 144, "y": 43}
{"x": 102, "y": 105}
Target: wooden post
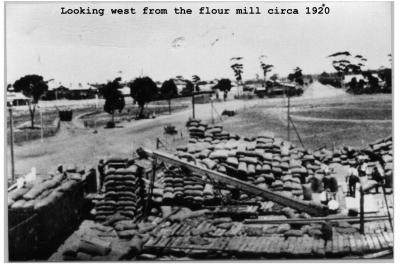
{"x": 361, "y": 210}
{"x": 12, "y": 144}
{"x": 387, "y": 205}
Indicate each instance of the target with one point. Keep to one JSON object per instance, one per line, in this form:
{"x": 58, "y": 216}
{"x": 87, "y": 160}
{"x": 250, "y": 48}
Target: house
{"x": 347, "y": 78}
{"x": 16, "y": 99}
{"x": 60, "y": 92}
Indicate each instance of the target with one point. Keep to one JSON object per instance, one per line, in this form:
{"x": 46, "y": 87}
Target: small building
{"x": 16, "y": 99}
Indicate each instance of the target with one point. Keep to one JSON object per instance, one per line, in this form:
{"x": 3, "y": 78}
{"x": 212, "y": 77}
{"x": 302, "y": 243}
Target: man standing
{"x": 376, "y": 175}
{"x": 352, "y": 179}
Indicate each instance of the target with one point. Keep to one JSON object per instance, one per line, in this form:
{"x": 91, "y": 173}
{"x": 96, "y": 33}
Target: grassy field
{"x": 316, "y": 133}
{"x": 348, "y": 113}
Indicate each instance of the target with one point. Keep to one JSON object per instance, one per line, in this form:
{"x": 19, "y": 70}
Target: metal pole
{"x": 12, "y": 145}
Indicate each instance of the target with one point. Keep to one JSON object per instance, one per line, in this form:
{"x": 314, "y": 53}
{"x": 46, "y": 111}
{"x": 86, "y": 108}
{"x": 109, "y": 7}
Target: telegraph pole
{"x": 288, "y": 114}
{"x": 12, "y": 144}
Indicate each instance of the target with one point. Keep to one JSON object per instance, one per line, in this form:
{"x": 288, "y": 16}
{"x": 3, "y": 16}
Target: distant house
{"x": 77, "y": 94}
{"x": 347, "y": 78}
{"x": 16, "y": 99}
{"x": 60, "y": 92}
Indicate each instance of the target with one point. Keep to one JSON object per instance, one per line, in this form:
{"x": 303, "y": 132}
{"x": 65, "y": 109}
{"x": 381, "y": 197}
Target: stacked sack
{"x": 211, "y": 133}
{"x": 124, "y": 194}
{"x": 196, "y": 128}
{"x": 184, "y": 189}
{"x": 42, "y": 192}
{"x": 173, "y": 185}
{"x": 193, "y": 190}
{"x": 263, "y": 160}
{"x": 384, "y": 148}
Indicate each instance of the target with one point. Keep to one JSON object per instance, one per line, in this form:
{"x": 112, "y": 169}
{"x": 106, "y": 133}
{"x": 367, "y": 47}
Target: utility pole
{"x": 12, "y": 144}
{"x": 288, "y": 114}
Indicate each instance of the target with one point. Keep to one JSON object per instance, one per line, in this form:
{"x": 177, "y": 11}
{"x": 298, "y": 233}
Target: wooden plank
{"x": 365, "y": 244}
{"x": 352, "y": 245}
{"x": 329, "y": 247}
{"x": 370, "y": 243}
{"x": 314, "y": 220}
{"x": 302, "y": 206}
{"x": 382, "y": 241}
{"x": 321, "y": 250}
{"x": 375, "y": 241}
{"x": 388, "y": 238}
{"x": 359, "y": 245}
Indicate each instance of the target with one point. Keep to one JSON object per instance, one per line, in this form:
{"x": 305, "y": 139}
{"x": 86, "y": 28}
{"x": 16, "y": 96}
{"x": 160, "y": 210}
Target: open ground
{"x": 333, "y": 121}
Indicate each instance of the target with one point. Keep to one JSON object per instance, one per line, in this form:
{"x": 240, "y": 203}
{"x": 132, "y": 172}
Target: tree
{"x": 274, "y": 77}
{"x": 237, "y": 68}
{"x": 33, "y": 87}
{"x": 143, "y": 90}
{"x": 196, "y": 80}
{"x": 296, "y": 76}
{"x": 266, "y": 68}
{"x": 169, "y": 90}
{"x": 114, "y": 100}
{"x": 224, "y": 85}
{"x": 347, "y": 64}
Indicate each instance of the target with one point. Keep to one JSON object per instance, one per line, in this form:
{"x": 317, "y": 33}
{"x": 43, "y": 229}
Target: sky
{"x": 93, "y": 48}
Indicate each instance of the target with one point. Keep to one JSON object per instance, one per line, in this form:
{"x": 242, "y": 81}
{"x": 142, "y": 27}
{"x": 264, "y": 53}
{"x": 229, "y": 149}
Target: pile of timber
{"x": 124, "y": 192}
{"x": 173, "y": 232}
{"x": 202, "y": 238}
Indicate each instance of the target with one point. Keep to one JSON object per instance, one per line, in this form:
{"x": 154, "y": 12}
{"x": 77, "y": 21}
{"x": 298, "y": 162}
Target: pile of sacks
{"x": 265, "y": 160}
{"x": 41, "y": 192}
{"x": 198, "y": 129}
{"x": 124, "y": 195}
{"x": 184, "y": 188}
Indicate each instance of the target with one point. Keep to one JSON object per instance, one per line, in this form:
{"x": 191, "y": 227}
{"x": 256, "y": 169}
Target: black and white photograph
{"x": 199, "y": 131}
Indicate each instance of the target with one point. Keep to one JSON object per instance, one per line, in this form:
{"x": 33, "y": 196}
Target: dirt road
{"x": 74, "y": 144}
